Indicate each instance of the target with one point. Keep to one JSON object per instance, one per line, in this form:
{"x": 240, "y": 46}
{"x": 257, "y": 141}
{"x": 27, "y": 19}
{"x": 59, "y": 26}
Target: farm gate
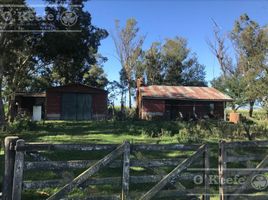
{"x": 243, "y": 170}
{"x": 126, "y": 171}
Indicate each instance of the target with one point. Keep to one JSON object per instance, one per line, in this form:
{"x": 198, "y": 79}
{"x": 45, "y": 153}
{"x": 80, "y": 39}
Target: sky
{"x": 161, "y": 19}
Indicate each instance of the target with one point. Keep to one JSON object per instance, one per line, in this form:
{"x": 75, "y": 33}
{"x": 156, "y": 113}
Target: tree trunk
{"x": 122, "y": 101}
{"x": 129, "y": 97}
{"x": 251, "y": 105}
{"x": 2, "y": 110}
{"x": 11, "y": 108}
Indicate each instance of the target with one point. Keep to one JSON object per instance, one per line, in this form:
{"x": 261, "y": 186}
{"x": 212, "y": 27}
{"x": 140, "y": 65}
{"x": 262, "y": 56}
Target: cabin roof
{"x": 183, "y": 93}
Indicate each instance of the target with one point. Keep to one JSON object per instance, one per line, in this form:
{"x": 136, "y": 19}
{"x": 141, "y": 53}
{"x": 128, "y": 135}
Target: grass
{"x": 115, "y": 132}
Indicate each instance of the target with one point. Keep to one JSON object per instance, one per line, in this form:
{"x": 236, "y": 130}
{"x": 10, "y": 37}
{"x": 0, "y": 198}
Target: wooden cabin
{"x": 180, "y": 102}
{"x": 68, "y": 102}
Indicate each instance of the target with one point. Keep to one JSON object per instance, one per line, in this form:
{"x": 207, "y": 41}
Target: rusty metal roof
{"x": 183, "y": 93}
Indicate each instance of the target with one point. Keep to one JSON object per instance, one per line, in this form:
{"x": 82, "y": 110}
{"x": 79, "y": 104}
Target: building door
{"x": 83, "y": 111}
{"x": 68, "y": 109}
{"x": 76, "y": 106}
{"x": 37, "y": 113}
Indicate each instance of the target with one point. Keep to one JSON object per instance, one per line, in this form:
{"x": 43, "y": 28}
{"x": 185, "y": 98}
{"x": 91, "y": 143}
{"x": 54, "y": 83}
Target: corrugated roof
{"x": 184, "y": 93}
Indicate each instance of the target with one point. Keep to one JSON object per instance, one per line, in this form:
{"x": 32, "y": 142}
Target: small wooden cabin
{"x": 68, "y": 102}
{"x": 30, "y": 104}
{"x": 180, "y": 102}
{"x": 76, "y": 102}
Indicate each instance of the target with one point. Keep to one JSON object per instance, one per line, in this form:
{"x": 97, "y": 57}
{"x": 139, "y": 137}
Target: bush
{"x": 117, "y": 115}
{"x": 22, "y": 124}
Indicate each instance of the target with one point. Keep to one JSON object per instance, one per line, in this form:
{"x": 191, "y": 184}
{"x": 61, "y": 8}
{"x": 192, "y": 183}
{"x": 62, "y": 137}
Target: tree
{"x": 193, "y": 73}
{"x": 17, "y": 56}
{"x": 96, "y": 77}
{"x": 69, "y": 55}
{"x": 174, "y": 56}
{"x": 251, "y": 43}
{"x": 243, "y": 78}
{"x": 231, "y": 81}
{"x": 219, "y": 49}
{"x": 172, "y": 63}
{"x": 153, "y": 65}
{"x": 234, "y": 86}
{"x": 128, "y": 48}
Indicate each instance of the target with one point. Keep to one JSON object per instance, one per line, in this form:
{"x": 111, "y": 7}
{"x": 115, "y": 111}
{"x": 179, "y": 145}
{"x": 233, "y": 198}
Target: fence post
{"x": 9, "y": 166}
{"x": 206, "y": 196}
{"x": 222, "y": 170}
{"x": 18, "y": 171}
{"x": 126, "y": 165}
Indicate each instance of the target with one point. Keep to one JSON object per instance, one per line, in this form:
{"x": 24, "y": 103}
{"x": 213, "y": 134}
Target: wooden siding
{"x": 173, "y": 109}
{"x": 99, "y": 106}
{"x": 54, "y": 99}
{"x": 152, "y": 108}
{"x": 26, "y": 103}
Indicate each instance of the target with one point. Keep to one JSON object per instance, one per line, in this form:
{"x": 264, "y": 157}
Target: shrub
{"x": 22, "y": 124}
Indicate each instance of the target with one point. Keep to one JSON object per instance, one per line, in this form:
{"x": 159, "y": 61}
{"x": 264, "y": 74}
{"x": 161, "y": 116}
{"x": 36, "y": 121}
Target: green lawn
{"x": 116, "y": 132}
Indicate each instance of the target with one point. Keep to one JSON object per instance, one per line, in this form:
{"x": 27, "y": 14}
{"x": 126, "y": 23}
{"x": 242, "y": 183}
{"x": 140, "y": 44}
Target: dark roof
{"x": 26, "y": 94}
{"x": 183, "y": 93}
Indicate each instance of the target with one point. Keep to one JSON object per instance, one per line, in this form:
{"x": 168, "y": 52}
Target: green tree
{"x": 243, "y": 78}
{"x": 128, "y": 45}
{"x": 69, "y": 55}
{"x": 174, "y": 58}
{"x": 172, "y": 63}
{"x": 153, "y": 65}
{"x": 17, "y": 57}
{"x": 95, "y": 76}
{"x": 251, "y": 43}
{"x": 193, "y": 73}
{"x": 234, "y": 86}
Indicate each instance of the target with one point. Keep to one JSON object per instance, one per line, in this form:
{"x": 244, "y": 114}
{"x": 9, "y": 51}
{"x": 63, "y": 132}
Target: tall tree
{"x": 194, "y": 73}
{"x": 231, "y": 81}
{"x": 242, "y": 78}
{"x": 233, "y": 85}
{"x": 69, "y": 55}
{"x": 172, "y": 63}
{"x": 175, "y": 53}
{"x": 17, "y": 53}
{"x": 251, "y": 43}
{"x": 129, "y": 48}
{"x": 153, "y": 65}
{"x": 95, "y": 76}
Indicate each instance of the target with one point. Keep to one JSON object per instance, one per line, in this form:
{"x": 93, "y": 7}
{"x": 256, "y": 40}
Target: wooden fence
{"x": 239, "y": 164}
{"x": 22, "y": 157}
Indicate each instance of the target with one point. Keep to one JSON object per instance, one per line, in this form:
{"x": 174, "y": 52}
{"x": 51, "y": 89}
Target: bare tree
{"x": 219, "y": 49}
{"x": 128, "y": 48}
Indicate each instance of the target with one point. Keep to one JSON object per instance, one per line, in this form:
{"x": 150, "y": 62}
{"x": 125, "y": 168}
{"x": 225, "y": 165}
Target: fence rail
{"x": 250, "y": 164}
{"x": 234, "y": 159}
{"x": 120, "y": 156}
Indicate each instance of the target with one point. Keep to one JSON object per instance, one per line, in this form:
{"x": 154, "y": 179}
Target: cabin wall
{"x": 24, "y": 105}
{"x": 99, "y": 106}
{"x": 152, "y": 109}
{"x": 54, "y": 101}
{"x": 184, "y": 110}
